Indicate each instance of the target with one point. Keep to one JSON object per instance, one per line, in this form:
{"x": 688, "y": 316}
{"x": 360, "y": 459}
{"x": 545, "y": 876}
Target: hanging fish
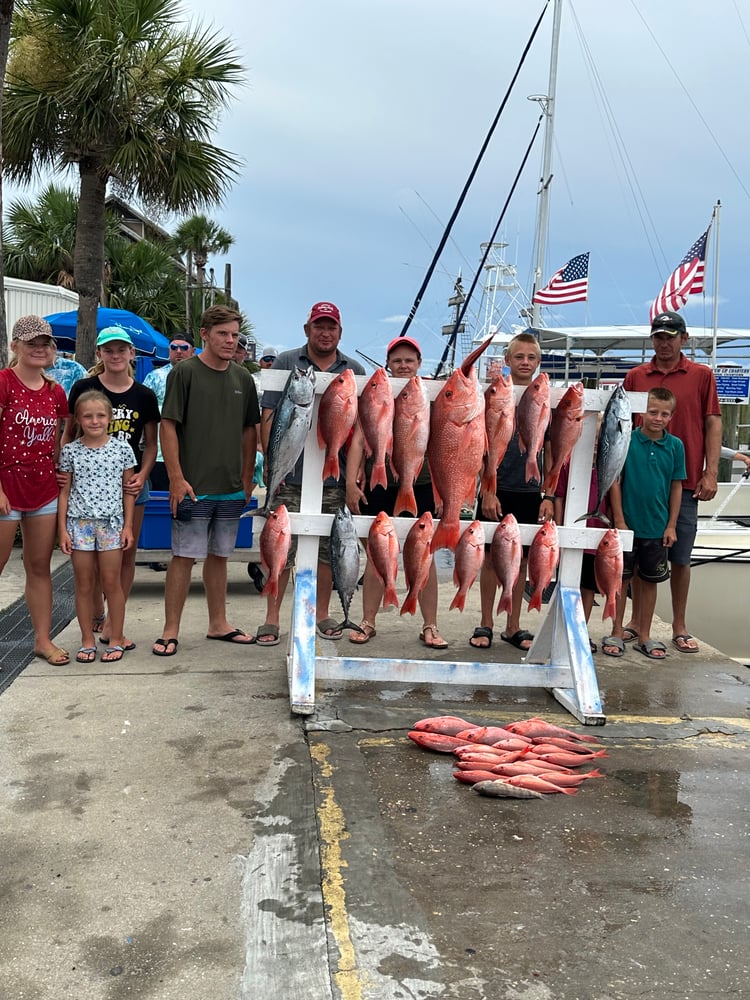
{"x": 345, "y": 561}
{"x": 291, "y": 423}
{"x": 612, "y": 449}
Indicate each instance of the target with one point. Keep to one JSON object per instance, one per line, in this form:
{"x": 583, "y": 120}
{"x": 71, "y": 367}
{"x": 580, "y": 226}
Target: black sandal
{"x": 481, "y": 632}
{"x": 518, "y": 638}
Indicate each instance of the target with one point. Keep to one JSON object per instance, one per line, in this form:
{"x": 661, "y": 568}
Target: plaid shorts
{"x": 333, "y": 498}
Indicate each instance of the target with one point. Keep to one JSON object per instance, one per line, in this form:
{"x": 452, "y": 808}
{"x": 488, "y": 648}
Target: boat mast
{"x": 717, "y": 206}
{"x": 547, "y": 105}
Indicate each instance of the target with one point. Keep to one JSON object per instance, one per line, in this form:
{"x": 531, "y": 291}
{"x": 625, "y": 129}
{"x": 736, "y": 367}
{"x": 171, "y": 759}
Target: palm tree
{"x": 40, "y": 236}
{"x": 147, "y": 280}
{"x": 198, "y": 237}
{"x": 6, "y": 15}
{"x": 121, "y": 91}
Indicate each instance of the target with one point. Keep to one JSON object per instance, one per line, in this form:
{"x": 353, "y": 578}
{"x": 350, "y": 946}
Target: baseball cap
{"x": 401, "y": 342}
{"x": 669, "y": 322}
{"x": 111, "y": 333}
{"x": 242, "y": 341}
{"x": 27, "y": 328}
{"x": 324, "y": 310}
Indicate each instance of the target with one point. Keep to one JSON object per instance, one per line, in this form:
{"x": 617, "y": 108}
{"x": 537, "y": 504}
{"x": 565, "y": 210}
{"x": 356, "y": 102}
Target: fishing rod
{"x": 470, "y": 179}
{"x": 459, "y": 319}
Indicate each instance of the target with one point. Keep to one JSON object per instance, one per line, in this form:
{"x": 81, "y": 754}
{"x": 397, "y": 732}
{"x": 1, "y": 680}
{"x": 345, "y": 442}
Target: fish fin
{"x": 594, "y": 513}
{"x": 459, "y": 601}
{"x": 390, "y": 597}
{"x": 446, "y": 536}
{"x": 505, "y": 603}
{"x": 331, "y": 466}
{"x": 409, "y": 607}
{"x": 346, "y": 624}
{"x": 405, "y": 501}
{"x": 532, "y": 468}
{"x": 535, "y": 603}
{"x": 378, "y": 476}
{"x": 550, "y": 481}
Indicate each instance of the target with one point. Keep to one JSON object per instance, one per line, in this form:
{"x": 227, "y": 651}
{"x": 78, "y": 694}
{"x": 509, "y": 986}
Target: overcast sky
{"x": 360, "y": 122}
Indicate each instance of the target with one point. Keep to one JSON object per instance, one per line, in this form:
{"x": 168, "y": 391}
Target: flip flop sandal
{"x": 481, "y": 632}
{"x": 98, "y": 622}
{"x": 630, "y": 634}
{"x": 232, "y": 637}
{"x": 163, "y": 647}
{"x": 127, "y": 648}
{"x": 270, "y": 631}
{"x": 57, "y": 656}
{"x": 681, "y": 642}
{"x": 518, "y": 638}
{"x": 86, "y": 654}
{"x": 648, "y": 647}
{"x": 368, "y": 632}
{"x": 328, "y": 628}
{"x": 438, "y": 642}
{"x": 108, "y": 658}
{"x": 613, "y": 640}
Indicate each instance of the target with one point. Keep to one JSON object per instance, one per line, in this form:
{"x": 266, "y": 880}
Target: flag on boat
{"x": 569, "y": 284}
{"x": 685, "y": 280}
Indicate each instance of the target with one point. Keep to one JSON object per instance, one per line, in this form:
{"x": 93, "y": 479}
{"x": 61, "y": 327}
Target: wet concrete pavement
{"x": 170, "y": 830}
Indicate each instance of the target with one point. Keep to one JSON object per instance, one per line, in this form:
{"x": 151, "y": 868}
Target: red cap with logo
{"x": 404, "y": 342}
{"x": 324, "y": 310}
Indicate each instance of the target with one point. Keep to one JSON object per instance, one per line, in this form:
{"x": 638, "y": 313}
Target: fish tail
{"x": 378, "y": 476}
{"x": 331, "y": 466}
{"x": 405, "y": 501}
{"x": 532, "y": 468}
{"x": 535, "y": 603}
{"x": 506, "y": 602}
{"x": 459, "y": 601}
{"x": 489, "y": 482}
{"x": 446, "y": 535}
{"x": 550, "y": 482}
{"x": 271, "y": 587}
{"x": 350, "y": 625}
{"x": 390, "y": 597}
{"x": 594, "y": 513}
{"x": 409, "y": 607}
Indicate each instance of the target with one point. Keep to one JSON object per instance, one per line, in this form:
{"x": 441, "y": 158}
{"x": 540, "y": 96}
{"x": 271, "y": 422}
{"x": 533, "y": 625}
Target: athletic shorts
{"x": 206, "y": 527}
{"x": 588, "y": 578}
{"x": 649, "y": 557}
{"x": 687, "y": 527}
{"x": 333, "y": 498}
{"x": 384, "y": 499}
{"x": 95, "y": 534}
{"x": 20, "y": 515}
{"x": 523, "y": 505}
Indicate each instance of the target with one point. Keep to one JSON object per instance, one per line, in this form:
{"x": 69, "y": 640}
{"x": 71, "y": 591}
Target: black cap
{"x": 669, "y": 322}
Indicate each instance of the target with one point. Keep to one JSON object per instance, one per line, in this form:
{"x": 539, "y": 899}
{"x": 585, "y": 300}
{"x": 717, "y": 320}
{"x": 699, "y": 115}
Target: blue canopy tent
{"x": 150, "y": 345}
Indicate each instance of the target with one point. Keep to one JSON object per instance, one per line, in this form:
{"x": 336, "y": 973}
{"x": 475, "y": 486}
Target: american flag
{"x": 685, "y": 280}
{"x": 569, "y": 284}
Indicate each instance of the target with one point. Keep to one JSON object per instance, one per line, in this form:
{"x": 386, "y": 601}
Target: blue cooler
{"x": 156, "y": 532}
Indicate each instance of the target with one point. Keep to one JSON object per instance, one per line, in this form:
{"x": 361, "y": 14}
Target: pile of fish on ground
{"x": 528, "y": 759}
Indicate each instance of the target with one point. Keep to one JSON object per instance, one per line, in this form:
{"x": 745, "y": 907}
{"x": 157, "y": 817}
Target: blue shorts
{"x": 144, "y": 496}
{"x": 206, "y": 527}
{"x": 687, "y": 528}
{"x": 95, "y": 534}
{"x": 20, "y": 515}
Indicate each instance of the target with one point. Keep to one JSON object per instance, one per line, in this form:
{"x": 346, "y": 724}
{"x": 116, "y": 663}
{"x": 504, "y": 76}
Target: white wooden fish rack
{"x": 560, "y": 657}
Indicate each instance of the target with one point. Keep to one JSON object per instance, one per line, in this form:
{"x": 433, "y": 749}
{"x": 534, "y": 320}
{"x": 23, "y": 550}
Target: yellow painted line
{"x": 332, "y": 834}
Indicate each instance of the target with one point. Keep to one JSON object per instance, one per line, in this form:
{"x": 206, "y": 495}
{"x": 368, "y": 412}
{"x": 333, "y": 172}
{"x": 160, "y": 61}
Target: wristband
{"x": 546, "y": 496}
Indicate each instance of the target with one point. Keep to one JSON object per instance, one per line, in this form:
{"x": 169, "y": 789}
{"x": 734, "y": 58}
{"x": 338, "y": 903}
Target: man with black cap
{"x": 697, "y": 423}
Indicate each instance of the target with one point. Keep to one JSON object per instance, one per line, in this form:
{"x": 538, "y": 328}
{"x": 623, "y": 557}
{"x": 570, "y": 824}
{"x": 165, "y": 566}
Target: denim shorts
{"x": 20, "y": 515}
{"x": 206, "y": 527}
{"x": 95, "y": 534}
{"x": 687, "y": 528}
{"x": 144, "y": 496}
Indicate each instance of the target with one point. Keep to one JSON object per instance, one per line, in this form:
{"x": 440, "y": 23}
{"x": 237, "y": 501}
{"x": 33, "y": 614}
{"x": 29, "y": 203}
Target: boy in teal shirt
{"x": 647, "y": 501}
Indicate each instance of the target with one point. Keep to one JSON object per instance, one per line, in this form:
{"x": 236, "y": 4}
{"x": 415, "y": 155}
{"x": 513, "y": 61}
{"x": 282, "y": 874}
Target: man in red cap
{"x": 697, "y": 423}
{"x": 323, "y": 334}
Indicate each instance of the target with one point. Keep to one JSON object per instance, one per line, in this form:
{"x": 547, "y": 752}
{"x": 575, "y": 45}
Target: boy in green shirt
{"x": 647, "y": 501}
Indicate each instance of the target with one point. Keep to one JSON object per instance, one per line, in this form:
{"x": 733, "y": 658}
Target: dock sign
{"x": 733, "y": 384}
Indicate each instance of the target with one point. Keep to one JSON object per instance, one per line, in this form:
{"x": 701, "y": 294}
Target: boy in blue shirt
{"x": 647, "y": 501}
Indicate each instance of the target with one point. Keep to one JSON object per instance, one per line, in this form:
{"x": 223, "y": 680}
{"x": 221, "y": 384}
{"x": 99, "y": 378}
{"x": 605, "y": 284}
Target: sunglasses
{"x": 179, "y": 347}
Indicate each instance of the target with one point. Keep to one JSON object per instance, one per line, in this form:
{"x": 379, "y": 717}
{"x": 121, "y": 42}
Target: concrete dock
{"x": 172, "y": 832}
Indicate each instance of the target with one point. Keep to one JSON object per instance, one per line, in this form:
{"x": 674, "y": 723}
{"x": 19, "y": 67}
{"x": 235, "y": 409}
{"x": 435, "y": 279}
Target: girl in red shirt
{"x": 33, "y": 408}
